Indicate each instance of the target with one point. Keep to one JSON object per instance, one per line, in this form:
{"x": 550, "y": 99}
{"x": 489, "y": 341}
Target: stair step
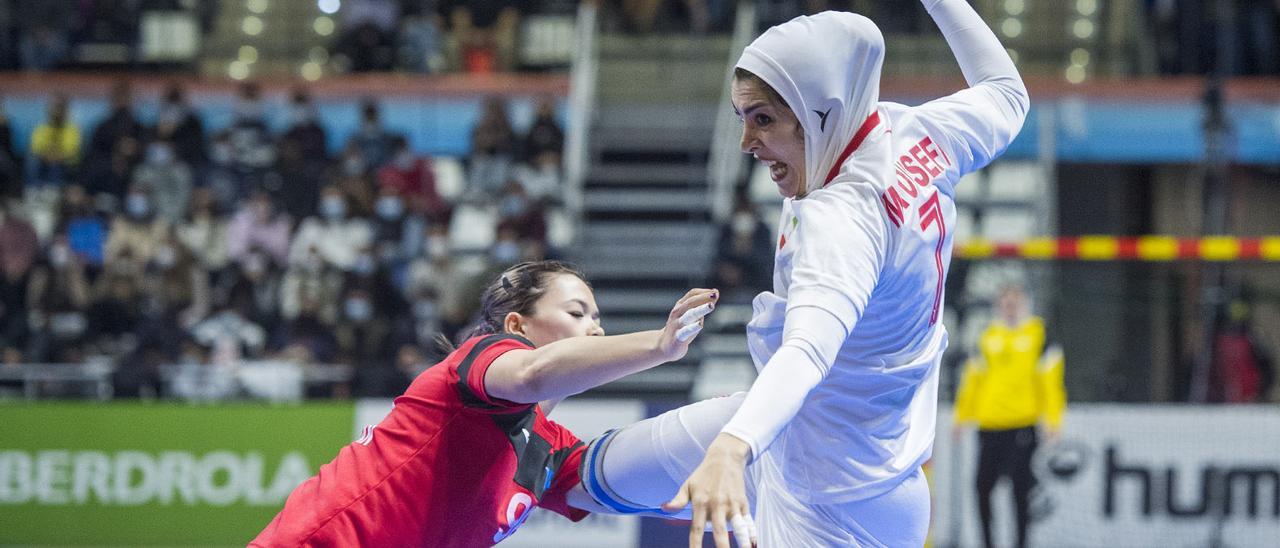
{"x": 631, "y": 301}
{"x": 626, "y": 200}
{"x": 627, "y": 233}
{"x": 695, "y": 116}
{"x": 670, "y": 174}
{"x": 649, "y": 46}
{"x": 651, "y": 139}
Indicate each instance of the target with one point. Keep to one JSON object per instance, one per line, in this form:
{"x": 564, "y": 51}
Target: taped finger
{"x": 688, "y": 332}
{"x": 741, "y": 530}
{"x": 695, "y": 314}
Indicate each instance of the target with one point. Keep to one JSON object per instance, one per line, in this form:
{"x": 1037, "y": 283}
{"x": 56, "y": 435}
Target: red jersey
{"x": 449, "y": 466}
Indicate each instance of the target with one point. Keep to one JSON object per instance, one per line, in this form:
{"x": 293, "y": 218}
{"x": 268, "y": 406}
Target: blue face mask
{"x": 389, "y": 207}
{"x": 137, "y": 206}
{"x": 513, "y": 206}
{"x": 333, "y": 208}
{"x": 358, "y": 309}
{"x": 506, "y": 252}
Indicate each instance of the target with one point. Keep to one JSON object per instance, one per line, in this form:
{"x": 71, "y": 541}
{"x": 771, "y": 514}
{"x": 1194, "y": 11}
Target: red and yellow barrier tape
{"x": 1140, "y": 248}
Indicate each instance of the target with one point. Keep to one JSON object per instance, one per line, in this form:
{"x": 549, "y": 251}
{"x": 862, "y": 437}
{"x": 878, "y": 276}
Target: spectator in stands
{"x": 85, "y": 229}
{"x": 254, "y": 290}
{"x": 259, "y": 228}
{"x": 121, "y": 123}
{"x": 136, "y": 235}
{"x": 114, "y": 312}
{"x": 397, "y": 234}
{"x": 412, "y": 178}
{"x": 485, "y": 34}
{"x": 169, "y": 178}
{"x": 230, "y": 335}
{"x": 421, "y": 37}
{"x": 179, "y": 124}
{"x": 1242, "y": 371}
{"x": 304, "y": 126}
{"x": 297, "y": 176}
{"x": 204, "y": 232}
{"x": 492, "y": 149}
{"x": 229, "y": 181}
{"x": 742, "y": 265}
{"x": 251, "y": 142}
{"x": 373, "y": 140}
{"x": 311, "y": 280}
{"x": 19, "y": 248}
{"x": 306, "y": 338}
{"x": 108, "y": 176}
{"x": 175, "y": 286}
{"x": 361, "y": 331}
{"x": 60, "y": 297}
{"x": 545, "y": 134}
{"x": 43, "y": 33}
{"x": 434, "y": 281}
{"x": 8, "y": 59}
{"x": 11, "y": 183}
{"x": 56, "y": 144}
{"x": 368, "y": 43}
{"x": 521, "y": 214}
{"x": 334, "y": 235}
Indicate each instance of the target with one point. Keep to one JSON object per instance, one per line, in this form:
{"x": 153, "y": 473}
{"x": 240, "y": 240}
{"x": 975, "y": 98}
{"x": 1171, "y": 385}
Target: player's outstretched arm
{"x": 573, "y": 365}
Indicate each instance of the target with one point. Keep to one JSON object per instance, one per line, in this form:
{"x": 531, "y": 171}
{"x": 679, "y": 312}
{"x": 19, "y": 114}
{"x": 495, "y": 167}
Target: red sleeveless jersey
{"x": 449, "y": 466}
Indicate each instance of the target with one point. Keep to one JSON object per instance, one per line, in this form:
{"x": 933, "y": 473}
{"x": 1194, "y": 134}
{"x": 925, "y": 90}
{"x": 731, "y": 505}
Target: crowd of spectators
{"x": 163, "y": 245}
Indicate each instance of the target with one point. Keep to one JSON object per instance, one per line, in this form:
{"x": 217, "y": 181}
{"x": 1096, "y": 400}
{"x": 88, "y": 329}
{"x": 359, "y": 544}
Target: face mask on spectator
{"x": 302, "y": 115}
{"x": 437, "y": 246}
{"x": 364, "y": 264}
{"x": 353, "y": 166}
{"x": 425, "y": 310}
{"x": 333, "y": 208}
{"x": 159, "y": 154}
{"x": 389, "y": 207}
{"x": 171, "y": 115}
{"x": 743, "y": 224}
{"x": 404, "y": 160}
{"x": 506, "y": 252}
{"x": 255, "y": 265}
{"x": 513, "y": 205}
{"x": 248, "y": 110}
{"x": 59, "y": 256}
{"x": 137, "y": 206}
{"x": 165, "y": 257}
{"x": 358, "y": 309}
{"x": 221, "y": 153}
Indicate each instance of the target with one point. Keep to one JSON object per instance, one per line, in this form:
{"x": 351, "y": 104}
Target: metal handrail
{"x": 725, "y": 161}
{"x": 96, "y": 373}
{"x": 582, "y": 96}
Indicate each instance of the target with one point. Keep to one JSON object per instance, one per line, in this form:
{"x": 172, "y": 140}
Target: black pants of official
{"x": 1006, "y": 453}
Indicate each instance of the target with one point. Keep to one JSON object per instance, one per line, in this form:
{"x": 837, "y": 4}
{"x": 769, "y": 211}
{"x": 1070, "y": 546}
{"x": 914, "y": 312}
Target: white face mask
{"x": 333, "y": 208}
{"x": 743, "y": 224}
{"x": 165, "y": 256}
{"x": 137, "y": 205}
{"x": 506, "y": 252}
{"x": 437, "y": 246}
{"x": 59, "y": 256}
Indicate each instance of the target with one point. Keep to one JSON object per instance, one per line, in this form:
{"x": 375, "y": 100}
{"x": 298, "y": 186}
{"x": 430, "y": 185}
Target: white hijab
{"x": 827, "y": 66}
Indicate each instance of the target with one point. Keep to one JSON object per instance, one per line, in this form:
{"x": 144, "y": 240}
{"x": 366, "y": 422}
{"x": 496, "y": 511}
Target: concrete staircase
{"x": 647, "y": 233}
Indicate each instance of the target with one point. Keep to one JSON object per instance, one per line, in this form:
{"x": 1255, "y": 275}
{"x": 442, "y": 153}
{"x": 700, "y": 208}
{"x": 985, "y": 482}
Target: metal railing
{"x": 726, "y": 166}
{"x": 582, "y": 98}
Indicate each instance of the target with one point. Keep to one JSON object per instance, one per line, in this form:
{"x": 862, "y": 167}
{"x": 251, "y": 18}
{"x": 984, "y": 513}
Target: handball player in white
{"x": 826, "y": 447}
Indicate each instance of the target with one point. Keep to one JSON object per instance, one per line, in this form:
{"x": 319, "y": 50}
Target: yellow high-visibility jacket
{"x": 1015, "y": 383}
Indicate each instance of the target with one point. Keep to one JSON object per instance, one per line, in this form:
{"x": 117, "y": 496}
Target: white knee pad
{"x": 637, "y": 468}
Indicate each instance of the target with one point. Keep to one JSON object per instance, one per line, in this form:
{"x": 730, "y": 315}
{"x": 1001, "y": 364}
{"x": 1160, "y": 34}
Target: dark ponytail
{"x": 517, "y": 289}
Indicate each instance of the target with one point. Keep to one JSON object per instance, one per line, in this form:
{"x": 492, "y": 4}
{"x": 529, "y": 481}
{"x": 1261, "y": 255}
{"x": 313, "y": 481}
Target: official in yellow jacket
{"x": 1013, "y": 386}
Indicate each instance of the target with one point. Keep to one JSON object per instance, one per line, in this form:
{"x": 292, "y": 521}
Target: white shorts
{"x": 895, "y": 519}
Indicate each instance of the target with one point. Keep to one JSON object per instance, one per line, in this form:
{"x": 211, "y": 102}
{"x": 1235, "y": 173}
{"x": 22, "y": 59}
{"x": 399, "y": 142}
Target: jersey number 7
{"x": 931, "y": 214}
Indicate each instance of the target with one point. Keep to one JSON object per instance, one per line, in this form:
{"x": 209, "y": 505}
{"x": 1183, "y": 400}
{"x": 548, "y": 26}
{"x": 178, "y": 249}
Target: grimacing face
{"x": 772, "y": 134}
{"x": 567, "y": 309}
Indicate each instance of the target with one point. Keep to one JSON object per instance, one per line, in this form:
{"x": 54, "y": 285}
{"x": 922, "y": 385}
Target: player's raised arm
{"x": 987, "y": 116}
{"x": 568, "y": 366}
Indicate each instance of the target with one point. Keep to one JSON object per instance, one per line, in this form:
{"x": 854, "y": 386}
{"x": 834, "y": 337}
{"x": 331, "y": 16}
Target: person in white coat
{"x": 826, "y": 447}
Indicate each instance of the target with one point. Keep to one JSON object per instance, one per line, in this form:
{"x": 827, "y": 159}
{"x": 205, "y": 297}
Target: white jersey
{"x": 862, "y": 257}
{"x": 871, "y": 420}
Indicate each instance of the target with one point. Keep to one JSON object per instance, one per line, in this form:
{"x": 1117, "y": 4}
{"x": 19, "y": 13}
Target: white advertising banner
{"x": 1129, "y": 475}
